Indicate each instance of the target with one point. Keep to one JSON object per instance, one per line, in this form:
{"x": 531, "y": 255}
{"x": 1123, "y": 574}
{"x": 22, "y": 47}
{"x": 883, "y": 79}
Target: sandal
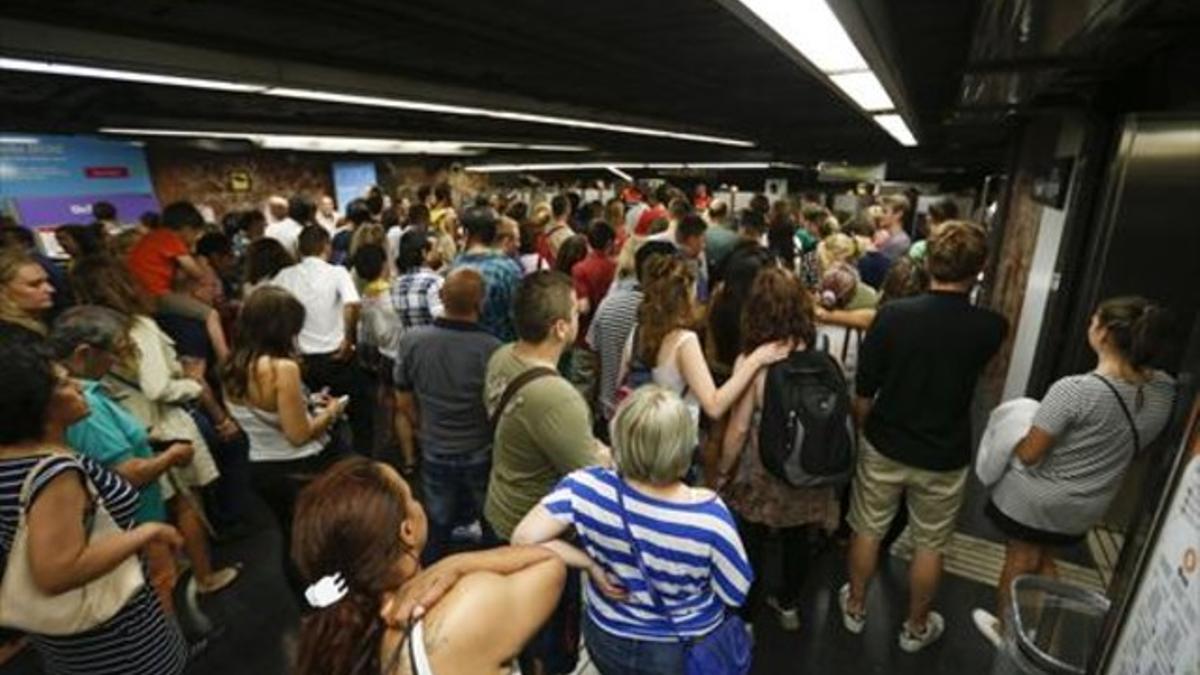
{"x": 220, "y": 580}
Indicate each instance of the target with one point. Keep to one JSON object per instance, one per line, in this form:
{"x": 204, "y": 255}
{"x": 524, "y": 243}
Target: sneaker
{"x": 911, "y": 642}
{"x": 989, "y": 626}
{"x": 853, "y": 622}
{"x": 470, "y": 533}
{"x": 789, "y": 617}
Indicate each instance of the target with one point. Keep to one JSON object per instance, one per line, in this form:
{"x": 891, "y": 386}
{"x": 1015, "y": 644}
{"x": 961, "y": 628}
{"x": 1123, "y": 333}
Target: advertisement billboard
{"x": 48, "y": 180}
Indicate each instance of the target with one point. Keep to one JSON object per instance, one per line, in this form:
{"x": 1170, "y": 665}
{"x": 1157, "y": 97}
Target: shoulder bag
{"x": 26, "y": 607}
{"x": 1137, "y": 439}
{"x": 726, "y": 650}
{"x": 515, "y": 385}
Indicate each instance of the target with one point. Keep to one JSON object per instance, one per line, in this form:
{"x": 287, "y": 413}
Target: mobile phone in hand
{"x": 161, "y": 445}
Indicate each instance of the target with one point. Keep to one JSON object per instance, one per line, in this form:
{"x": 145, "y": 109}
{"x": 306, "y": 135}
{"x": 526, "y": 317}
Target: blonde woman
{"x": 25, "y": 294}
{"x": 838, "y": 248}
{"x": 622, "y": 517}
{"x": 366, "y": 235}
{"x": 445, "y": 236}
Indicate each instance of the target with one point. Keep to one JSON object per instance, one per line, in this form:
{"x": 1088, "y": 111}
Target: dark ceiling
{"x": 679, "y": 64}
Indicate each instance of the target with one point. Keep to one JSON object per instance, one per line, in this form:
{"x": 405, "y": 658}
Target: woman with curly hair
{"x": 666, "y": 345}
{"x": 779, "y": 309}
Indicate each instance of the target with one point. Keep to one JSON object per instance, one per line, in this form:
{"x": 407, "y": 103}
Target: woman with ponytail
{"x": 357, "y": 539}
{"x": 1085, "y": 433}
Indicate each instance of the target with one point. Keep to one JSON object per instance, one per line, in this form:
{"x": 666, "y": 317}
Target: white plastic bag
{"x": 1007, "y": 426}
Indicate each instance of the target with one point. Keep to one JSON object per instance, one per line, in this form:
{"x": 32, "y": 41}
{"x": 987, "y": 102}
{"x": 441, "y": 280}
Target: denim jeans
{"x": 613, "y": 655}
{"x": 454, "y": 488}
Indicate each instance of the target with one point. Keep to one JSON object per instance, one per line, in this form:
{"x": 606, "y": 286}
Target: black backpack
{"x": 806, "y": 435}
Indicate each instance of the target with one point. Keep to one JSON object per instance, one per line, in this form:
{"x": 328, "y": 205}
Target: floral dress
{"x": 757, "y": 496}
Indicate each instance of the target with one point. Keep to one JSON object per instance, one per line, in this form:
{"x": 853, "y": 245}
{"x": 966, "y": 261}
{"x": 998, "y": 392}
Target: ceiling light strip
{"x": 610, "y": 166}
{"x": 814, "y": 31}
{"x": 354, "y": 143}
{"x": 894, "y": 124}
{"x": 508, "y": 115}
{"x": 73, "y": 70}
{"x": 51, "y": 68}
{"x": 620, "y": 174}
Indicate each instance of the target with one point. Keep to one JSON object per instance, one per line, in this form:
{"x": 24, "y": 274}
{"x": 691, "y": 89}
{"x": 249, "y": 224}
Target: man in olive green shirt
{"x": 545, "y": 431}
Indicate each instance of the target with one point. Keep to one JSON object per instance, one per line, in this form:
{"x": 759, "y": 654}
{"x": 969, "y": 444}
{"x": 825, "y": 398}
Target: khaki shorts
{"x": 182, "y": 304}
{"x": 934, "y": 498}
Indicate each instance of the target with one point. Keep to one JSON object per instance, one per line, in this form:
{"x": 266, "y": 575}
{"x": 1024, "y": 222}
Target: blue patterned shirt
{"x": 501, "y": 275}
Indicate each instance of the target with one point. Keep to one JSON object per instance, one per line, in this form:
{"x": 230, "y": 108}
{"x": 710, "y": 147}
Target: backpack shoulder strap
{"x": 515, "y": 386}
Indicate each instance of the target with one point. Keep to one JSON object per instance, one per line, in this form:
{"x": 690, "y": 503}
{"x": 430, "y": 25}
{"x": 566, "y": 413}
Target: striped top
{"x": 691, "y": 551}
{"x": 139, "y": 639}
{"x": 609, "y": 331}
{"x": 1069, "y": 491}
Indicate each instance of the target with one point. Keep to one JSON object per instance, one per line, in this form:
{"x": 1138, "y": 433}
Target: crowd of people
{"x": 454, "y": 408}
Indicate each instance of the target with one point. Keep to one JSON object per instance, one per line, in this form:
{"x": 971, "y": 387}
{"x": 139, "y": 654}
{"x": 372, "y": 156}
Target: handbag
{"x": 27, "y": 608}
{"x": 726, "y": 650}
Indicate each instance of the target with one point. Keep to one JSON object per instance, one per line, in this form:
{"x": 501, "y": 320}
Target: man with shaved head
{"x": 440, "y": 371}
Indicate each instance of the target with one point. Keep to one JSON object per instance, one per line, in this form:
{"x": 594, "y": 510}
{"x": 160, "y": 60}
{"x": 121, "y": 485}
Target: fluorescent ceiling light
{"x": 18, "y": 140}
{"x": 620, "y": 174}
{"x": 815, "y": 32}
{"x": 613, "y": 167}
{"x": 346, "y": 143}
{"x": 813, "y": 29}
{"x": 710, "y": 165}
{"x": 546, "y": 147}
{"x": 865, "y": 90}
{"x": 513, "y": 116}
{"x": 50, "y": 68}
{"x": 365, "y": 145}
{"x": 894, "y": 125}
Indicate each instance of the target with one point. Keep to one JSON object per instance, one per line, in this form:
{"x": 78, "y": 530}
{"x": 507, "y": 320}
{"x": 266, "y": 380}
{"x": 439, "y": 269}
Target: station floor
{"x": 258, "y": 619}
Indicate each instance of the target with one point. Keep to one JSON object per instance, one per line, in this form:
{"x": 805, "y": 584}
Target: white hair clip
{"x": 326, "y": 591}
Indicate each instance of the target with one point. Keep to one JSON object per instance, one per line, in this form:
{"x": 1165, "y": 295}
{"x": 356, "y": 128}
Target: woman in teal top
{"x": 116, "y": 439}
{"x": 88, "y": 340}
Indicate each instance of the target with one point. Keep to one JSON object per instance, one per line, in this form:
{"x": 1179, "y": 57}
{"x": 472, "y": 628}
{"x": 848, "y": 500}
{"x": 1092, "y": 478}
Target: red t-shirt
{"x": 649, "y": 216}
{"x": 592, "y": 277}
{"x": 153, "y": 260}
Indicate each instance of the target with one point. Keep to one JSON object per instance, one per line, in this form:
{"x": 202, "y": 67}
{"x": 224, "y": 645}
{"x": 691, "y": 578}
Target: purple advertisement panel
{"x": 49, "y": 165}
{"x": 49, "y": 211}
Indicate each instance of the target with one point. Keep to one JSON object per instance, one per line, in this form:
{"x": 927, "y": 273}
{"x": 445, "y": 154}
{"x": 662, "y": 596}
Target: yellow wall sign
{"x": 239, "y": 181}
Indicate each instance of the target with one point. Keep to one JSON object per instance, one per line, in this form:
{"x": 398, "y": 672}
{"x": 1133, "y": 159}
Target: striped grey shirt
{"x": 609, "y": 331}
{"x": 1069, "y": 491}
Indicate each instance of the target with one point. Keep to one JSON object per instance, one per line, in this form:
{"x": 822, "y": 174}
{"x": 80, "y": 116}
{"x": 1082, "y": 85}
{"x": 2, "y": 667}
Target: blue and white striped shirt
{"x": 692, "y": 553}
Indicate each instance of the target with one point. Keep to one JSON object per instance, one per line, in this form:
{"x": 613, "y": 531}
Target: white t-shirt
{"x": 324, "y": 290}
{"x": 286, "y": 232}
{"x": 329, "y": 222}
{"x": 392, "y": 240}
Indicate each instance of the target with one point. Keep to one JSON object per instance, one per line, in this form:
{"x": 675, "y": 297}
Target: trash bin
{"x": 1052, "y": 628}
